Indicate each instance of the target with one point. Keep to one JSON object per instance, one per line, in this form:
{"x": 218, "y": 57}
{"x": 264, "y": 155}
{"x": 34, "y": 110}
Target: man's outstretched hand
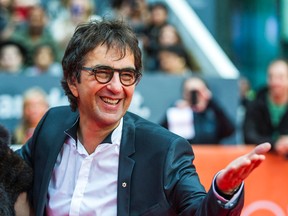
{"x": 229, "y": 179}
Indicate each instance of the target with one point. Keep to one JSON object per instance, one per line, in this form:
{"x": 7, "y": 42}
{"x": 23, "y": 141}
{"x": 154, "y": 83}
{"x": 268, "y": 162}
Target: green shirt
{"x": 276, "y": 113}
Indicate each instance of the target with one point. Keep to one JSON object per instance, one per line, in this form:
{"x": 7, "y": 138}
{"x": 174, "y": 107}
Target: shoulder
{"x": 262, "y": 94}
{"x": 260, "y": 100}
{"x": 141, "y": 123}
{"x": 60, "y": 110}
{"x": 55, "y": 121}
{"x": 61, "y": 113}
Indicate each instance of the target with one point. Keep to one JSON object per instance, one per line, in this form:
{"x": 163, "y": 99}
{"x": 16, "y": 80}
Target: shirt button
{"x": 124, "y": 184}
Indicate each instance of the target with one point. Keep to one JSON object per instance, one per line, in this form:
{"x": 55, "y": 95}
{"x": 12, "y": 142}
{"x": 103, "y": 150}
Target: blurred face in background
{"x": 34, "y": 107}
{"x": 158, "y": 15}
{"x": 37, "y": 20}
{"x": 44, "y": 57}
{"x": 80, "y": 10}
{"x": 172, "y": 63}
{"x": 11, "y": 59}
{"x": 244, "y": 86}
{"x": 203, "y": 94}
{"x": 278, "y": 79}
{"x": 168, "y": 36}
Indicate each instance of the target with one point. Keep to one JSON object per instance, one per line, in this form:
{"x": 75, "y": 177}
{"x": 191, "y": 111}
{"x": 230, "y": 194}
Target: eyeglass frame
{"x": 113, "y": 70}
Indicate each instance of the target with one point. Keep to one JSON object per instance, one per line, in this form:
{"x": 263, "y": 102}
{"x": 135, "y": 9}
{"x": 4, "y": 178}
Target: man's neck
{"x": 91, "y": 137}
{"x": 279, "y": 99}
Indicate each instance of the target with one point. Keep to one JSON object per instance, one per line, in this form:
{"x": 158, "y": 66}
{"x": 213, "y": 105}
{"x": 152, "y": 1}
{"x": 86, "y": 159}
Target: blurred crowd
{"x": 34, "y": 34}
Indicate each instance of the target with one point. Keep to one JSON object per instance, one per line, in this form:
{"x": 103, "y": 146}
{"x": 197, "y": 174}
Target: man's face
{"x": 103, "y": 104}
{"x": 278, "y": 78}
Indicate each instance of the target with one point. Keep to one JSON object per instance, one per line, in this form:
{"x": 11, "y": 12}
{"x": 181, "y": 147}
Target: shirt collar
{"x": 113, "y": 137}
{"x": 72, "y": 131}
{"x": 108, "y": 139}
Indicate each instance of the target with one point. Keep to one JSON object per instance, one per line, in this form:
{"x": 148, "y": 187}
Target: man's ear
{"x": 72, "y": 83}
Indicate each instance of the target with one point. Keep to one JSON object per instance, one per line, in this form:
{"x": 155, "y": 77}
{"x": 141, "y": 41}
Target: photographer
{"x": 198, "y": 117}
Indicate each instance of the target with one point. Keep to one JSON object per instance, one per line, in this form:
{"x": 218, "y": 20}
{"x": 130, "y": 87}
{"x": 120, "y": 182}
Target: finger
{"x": 233, "y": 176}
{"x": 228, "y": 173}
{"x": 262, "y": 148}
{"x": 243, "y": 171}
{"x": 245, "y": 165}
{"x": 233, "y": 173}
{"x": 255, "y": 161}
{"x": 246, "y": 170}
{"x": 256, "y": 164}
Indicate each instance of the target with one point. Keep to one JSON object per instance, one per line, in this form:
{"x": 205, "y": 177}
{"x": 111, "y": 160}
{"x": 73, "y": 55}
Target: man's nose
{"x": 115, "y": 83}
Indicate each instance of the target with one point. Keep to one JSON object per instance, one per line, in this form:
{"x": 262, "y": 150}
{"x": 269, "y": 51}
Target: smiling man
{"x": 96, "y": 158}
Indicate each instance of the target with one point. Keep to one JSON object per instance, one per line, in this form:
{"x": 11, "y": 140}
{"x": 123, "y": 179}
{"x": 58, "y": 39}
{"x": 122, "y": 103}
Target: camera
{"x": 194, "y": 97}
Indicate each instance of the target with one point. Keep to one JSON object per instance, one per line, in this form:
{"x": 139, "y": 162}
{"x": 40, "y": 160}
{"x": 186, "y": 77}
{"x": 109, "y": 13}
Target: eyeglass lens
{"x": 104, "y": 75}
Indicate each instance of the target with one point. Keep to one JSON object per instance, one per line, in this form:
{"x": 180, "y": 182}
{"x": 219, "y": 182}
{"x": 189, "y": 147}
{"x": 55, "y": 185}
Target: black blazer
{"x": 257, "y": 124}
{"x": 155, "y": 164}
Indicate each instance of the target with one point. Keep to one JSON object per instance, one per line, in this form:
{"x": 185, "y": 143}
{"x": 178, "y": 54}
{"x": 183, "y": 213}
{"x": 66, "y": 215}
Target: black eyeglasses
{"x": 104, "y": 74}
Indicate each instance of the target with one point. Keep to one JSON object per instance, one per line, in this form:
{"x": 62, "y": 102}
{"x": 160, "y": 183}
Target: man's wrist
{"x": 227, "y": 194}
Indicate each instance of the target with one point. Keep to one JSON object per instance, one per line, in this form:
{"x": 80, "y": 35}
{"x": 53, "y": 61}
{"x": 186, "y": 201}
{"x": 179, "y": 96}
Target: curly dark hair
{"x": 87, "y": 36}
{"x": 16, "y": 175}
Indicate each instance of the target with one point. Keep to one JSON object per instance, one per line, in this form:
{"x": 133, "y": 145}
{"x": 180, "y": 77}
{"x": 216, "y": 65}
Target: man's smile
{"x": 110, "y": 101}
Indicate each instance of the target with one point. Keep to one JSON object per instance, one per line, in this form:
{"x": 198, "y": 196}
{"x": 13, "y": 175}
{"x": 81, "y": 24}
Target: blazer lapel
{"x": 126, "y": 165}
{"x": 49, "y": 150}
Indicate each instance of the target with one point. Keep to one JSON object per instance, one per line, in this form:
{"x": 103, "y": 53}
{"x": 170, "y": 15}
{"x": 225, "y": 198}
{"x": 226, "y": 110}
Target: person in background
{"x": 72, "y": 13}
{"x": 90, "y": 158}
{"x": 267, "y": 115}
{"x": 247, "y": 94}
{"x": 44, "y": 62}
{"x": 13, "y": 13}
{"x": 12, "y": 57}
{"x": 35, "y": 104}
{"x": 5, "y": 17}
{"x": 171, "y": 53}
{"x": 135, "y": 13}
{"x": 198, "y": 117}
{"x": 158, "y": 17}
{"x": 168, "y": 35}
{"x": 21, "y": 8}
{"x": 34, "y": 31}
{"x": 173, "y": 60}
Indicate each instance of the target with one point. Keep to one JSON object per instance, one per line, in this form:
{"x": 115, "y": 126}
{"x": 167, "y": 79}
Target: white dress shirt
{"x": 83, "y": 184}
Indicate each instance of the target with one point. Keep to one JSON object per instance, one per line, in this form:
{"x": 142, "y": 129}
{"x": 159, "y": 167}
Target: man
{"x": 99, "y": 159}
{"x": 267, "y": 116}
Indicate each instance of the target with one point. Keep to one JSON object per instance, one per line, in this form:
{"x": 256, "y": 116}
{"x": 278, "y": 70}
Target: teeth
{"x": 110, "y": 101}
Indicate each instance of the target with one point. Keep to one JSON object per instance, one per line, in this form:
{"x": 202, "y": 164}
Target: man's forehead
{"x": 114, "y": 50}
{"x": 101, "y": 55}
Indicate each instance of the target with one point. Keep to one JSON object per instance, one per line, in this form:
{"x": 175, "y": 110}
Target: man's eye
{"x": 103, "y": 73}
{"x": 127, "y": 75}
